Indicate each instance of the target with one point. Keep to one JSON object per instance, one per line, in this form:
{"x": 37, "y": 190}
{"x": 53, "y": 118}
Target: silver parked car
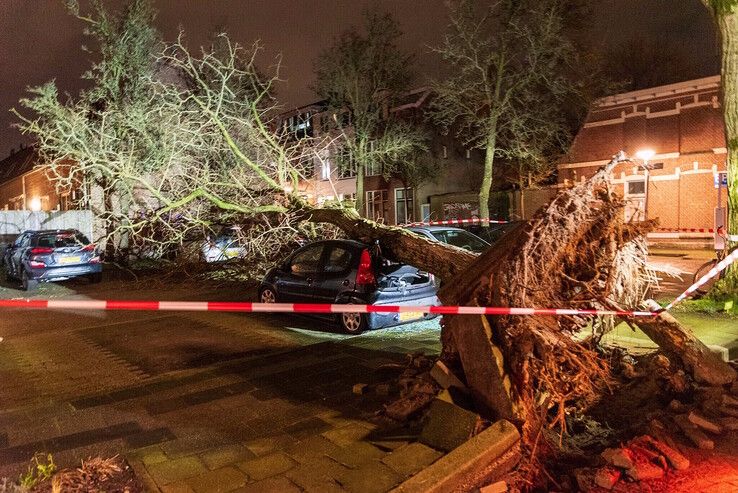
{"x": 51, "y": 255}
{"x": 453, "y": 236}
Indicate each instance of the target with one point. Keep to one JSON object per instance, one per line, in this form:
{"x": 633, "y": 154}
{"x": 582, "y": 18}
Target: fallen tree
{"x": 227, "y": 160}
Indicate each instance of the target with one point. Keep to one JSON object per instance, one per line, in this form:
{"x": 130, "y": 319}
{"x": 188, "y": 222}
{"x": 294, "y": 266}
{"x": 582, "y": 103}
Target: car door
{"x": 16, "y": 253}
{"x": 295, "y": 284}
{"x": 338, "y": 275}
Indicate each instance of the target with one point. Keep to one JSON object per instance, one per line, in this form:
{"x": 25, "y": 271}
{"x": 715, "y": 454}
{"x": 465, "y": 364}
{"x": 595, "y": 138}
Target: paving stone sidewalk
{"x": 283, "y": 421}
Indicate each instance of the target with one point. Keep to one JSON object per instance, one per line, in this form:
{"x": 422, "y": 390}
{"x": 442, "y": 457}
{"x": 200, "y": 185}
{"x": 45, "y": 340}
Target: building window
{"x": 376, "y": 203}
{"x": 468, "y": 154}
{"x": 65, "y": 202}
{"x": 373, "y": 168}
{"x": 637, "y": 187}
{"x": 345, "y": 164}
{"x": 325, "y": 170}
{"x": 300, "y": 125}
{"x": 425, "y": 212}
{"x": 403, "y": 205}
{"x": 445, "y": 152}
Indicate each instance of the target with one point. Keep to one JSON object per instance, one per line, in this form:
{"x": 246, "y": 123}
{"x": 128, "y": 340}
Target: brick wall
{"x": 683, "y": 124}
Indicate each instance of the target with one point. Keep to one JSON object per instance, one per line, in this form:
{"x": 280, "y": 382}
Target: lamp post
{"x": 645, "y": 155}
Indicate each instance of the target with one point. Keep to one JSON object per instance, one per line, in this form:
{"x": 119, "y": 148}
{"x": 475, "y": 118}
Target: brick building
{"x": 25, "y": 184}
{"x": 333, "y": 177}
{"x": 683, "y": 124}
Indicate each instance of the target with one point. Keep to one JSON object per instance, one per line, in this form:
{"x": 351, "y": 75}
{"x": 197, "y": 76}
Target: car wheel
{"x": 95, "y": 278}
{"x": 28, "y": 283}
{"x": 267, "y": 295}
{"x": 353, "y": 323}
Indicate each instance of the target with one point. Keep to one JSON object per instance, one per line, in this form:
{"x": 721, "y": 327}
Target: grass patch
{"x": 40, "y": 470}
{"x": 708, "y": 306}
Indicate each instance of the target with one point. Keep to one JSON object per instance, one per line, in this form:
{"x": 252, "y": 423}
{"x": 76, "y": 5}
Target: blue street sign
{"x": 721, "y": 179}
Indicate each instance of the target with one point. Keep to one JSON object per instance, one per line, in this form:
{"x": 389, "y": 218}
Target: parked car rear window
{"x": 61, "y": 240}
{"x": 339, "y": 260}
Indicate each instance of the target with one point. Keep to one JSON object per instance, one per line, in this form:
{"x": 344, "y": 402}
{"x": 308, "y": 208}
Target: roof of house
{"x": 649, "y": 93}
{"x": 18, "y": 163}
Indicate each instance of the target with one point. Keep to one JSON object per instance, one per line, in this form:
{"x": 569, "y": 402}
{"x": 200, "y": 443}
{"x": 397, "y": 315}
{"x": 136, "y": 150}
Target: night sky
{"x": 39, "y": 41}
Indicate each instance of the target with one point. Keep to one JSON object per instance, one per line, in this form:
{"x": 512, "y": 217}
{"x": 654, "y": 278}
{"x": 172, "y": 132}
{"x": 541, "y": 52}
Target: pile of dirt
{"x": 95, "y": 475}
{"x": 416, "y": 389}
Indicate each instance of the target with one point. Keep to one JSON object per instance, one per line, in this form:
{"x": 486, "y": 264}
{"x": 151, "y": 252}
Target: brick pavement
{"x": 259, "y": 409}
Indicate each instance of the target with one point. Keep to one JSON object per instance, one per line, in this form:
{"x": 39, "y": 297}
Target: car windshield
{"x": 62, "y": 240}
{"x": 461, "y": 239}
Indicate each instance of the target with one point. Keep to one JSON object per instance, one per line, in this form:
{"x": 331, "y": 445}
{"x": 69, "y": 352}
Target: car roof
{"x": 351, "y": 243}
{"x": 49, "y": 231}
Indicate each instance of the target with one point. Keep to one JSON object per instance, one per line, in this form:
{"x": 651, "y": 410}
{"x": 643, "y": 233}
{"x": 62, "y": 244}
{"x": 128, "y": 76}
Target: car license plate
{"x": 70, "y": 260}
{"x": 407, "y": 316}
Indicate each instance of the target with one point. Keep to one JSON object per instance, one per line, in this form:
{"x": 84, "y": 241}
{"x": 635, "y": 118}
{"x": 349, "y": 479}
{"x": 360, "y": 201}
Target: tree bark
{"x": 489, "y": 161}
{"x": 676, "y": 340}
{"x": 728, "y": 24}
{"x": 360, "y": 189}
{"x": 726, "y": 19}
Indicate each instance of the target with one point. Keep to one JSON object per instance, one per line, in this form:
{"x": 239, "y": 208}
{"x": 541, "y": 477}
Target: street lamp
{"x": 645, "y": 155}
{"x": 35, "y": 204}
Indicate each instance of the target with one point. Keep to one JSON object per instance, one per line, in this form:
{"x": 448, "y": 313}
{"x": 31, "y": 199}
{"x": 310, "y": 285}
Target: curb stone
{"x": 492, "y": 451}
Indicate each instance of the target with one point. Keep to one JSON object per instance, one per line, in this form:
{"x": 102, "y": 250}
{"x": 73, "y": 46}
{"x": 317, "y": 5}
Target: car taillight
{"x": 89, "y": 248}
{"x": 365, "y": 274}
{"x": 41, "y": 251}
{"x": 95, "y": 259}
{"x": 35, "y": 264}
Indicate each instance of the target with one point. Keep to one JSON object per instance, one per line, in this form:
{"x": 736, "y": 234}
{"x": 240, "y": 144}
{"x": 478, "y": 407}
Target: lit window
{"x": 445, "y": 152}
{"x": 325, "y": 170}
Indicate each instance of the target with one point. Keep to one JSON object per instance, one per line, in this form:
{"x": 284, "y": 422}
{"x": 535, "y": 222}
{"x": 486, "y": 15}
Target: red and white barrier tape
{"x": 451, "y": 222}
{"x": 684, "y": 230}
{"x": 719, "y": 267}
{"x": 222, "y": 306}
{"x": 217, "y": 306}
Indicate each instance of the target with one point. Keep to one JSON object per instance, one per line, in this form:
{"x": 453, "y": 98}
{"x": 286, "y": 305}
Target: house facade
{"x": 332, "y": 175}
{"x": 25, "y": 184}
{"x": 679, "y": 127}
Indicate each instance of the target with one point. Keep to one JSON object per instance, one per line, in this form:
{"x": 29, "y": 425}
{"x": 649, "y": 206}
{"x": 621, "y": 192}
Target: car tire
{"x": 95, "y": 278}
{"x": 267, "y": 295}
{"x": 352, "y": 323}
{"x": 28, "y": 283}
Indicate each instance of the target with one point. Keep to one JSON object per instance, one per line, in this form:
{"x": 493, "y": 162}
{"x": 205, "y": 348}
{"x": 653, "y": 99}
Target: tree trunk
{"x": 443, "y": 260}
{"x": 489, "y": 161}
{"x": 531, "y": 368}
{"x": 676, "y": 340}
{"x": 728, "y": 25}
{"x": 360, "y": 189}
